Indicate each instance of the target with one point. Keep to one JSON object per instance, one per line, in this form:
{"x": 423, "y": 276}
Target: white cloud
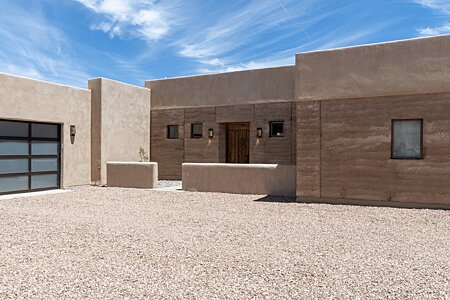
{"x": 442, "y": 6}
{"x": 144, "y": 19}
{"x": 36, "y": 49}
{"x": 430, "y": 31}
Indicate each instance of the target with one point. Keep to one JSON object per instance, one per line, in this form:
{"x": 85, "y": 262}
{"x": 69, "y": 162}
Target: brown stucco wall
{"x": 398, "y": 68}
{"x": 234, "y": 88}
{"x": 203, "y": 150}
{"x": 308, "y": 148}
{"x": 355, "y": 150}
{"x": 276, "y": 150}
{"x": 121, "y": 124}
{"x": 170, "y": 154}
{"x": 33, "y": 100}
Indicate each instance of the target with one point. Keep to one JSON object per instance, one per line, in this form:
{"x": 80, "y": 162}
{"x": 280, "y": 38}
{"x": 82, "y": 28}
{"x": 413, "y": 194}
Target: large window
{"x": 197, "y": 131}
{"x": 277, "y": 129}
{"x": 172, "y": 132}
{"x": 29, "y": 156}
{"x": 407, "y": 139}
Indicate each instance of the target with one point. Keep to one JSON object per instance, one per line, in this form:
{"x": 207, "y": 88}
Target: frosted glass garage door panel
{"x": 44, "y": 164}
{"x": 44, "y": 181}
{"x": 13, "y": 129}
{"x": 8, "y": 147}
{"x": 8, "y": 166}
{"x": 44, "y": 148}
{"x": 13, "y": 184}
{"x": 44, "y": 131}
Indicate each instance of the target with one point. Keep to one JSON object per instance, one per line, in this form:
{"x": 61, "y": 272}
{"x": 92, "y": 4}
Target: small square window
{"x": 276, "y": 129}
{"x": 197, "y": 131}
{"x": 407, "y": 139}
{"x": 172, "y": 132}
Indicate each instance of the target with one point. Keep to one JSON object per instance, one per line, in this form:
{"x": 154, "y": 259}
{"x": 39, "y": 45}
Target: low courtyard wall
{"x": 132, "y": 174}
{"x": 261, "y": 179}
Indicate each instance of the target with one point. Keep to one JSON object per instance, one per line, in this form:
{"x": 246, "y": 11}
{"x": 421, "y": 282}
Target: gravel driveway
{"x": 111, "y": 243}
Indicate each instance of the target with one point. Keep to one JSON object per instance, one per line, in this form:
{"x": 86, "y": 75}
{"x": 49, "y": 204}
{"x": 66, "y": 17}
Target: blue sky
{"x": 69, "y": 41}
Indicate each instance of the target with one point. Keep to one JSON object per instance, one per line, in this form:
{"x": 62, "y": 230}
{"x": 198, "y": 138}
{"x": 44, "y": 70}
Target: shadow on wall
{"x": 277, "y": 199}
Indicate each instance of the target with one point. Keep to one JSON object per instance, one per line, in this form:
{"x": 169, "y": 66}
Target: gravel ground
{"x": 110, "y": 243}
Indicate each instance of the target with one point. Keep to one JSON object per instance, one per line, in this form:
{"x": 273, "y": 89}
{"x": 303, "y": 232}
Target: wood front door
{"x": 238, "y": 143}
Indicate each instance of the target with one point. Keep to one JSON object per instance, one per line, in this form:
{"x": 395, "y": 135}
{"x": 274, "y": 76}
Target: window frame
{"x": 168, "y": 132}
{"x": 421, "y": 157}
{"x": 192, "y": 131}
{"x": 270, "y": 129}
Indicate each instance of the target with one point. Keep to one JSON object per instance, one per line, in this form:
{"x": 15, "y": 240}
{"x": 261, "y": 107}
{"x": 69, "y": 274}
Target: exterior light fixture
{"x": 259, "y": 132}
{"x": 73, "y": 130}
{"x": 210, "y": 133}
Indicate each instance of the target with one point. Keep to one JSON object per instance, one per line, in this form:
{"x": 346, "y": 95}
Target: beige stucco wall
{"x": 398, "y": 68}
{"x": 260, "y": 179}
{"x": 254, "y": 86}
{"x": 121, "y": 124}
{"x": 33, "y": 100}
{"x": 142, "y": 175}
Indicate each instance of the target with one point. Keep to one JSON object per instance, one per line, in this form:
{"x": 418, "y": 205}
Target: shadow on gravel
{"x": 277, "y": 199}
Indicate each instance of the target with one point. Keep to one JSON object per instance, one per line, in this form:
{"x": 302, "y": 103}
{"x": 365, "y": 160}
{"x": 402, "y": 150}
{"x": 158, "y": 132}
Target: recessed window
{"x": 407, "y": 139}
{"x": 276, "y": 129}
{"x": 172, "y": 132}
{"x": 197, "y": 131}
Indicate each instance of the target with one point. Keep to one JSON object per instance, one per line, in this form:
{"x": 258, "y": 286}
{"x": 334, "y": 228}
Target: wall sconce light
{"x": 210, "y": 133}
{"x": 73, "y": 130}
{"x": 259, "y": 132}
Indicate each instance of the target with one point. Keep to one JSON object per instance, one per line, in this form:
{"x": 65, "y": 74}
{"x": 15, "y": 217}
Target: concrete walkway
{"x": 168, "y": 186}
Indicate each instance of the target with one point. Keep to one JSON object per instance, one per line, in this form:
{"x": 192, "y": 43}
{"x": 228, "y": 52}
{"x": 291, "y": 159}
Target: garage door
{"x": 29, "y": 156}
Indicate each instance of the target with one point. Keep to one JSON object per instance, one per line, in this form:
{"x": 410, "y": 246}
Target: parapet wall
{"x": 234, "y": 88}
{"x": 409, "y": 67}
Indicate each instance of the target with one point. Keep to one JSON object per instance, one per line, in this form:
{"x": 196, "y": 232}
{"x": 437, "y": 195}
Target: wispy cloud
{"x": 234, "y": 41}
{"x": 144, "y": 19}
{"x": 207, "y": 41}
{"x": 36, "y": 49}
{"x": 238, "y": 28}
{"x": 429, "y": 31}
{"x": 441, "y": 7}
{"x": 237, "y": 35}
{"x": 248, "y": 65}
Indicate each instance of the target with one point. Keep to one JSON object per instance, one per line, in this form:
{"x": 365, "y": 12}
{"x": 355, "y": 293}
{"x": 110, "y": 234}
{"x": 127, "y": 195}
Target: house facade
{"x": 367, "y": 124}
{"x": 216, "y": 118}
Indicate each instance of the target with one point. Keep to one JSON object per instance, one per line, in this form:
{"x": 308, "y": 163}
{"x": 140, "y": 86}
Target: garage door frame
{"x": 30, "y": 156}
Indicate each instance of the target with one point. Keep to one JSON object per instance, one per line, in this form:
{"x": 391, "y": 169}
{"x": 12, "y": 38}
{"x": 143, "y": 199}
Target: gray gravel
{"x": 110, "y": 243}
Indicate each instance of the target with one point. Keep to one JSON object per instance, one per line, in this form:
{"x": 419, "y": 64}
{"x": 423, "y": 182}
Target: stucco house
{"x": 366, "y": 124}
